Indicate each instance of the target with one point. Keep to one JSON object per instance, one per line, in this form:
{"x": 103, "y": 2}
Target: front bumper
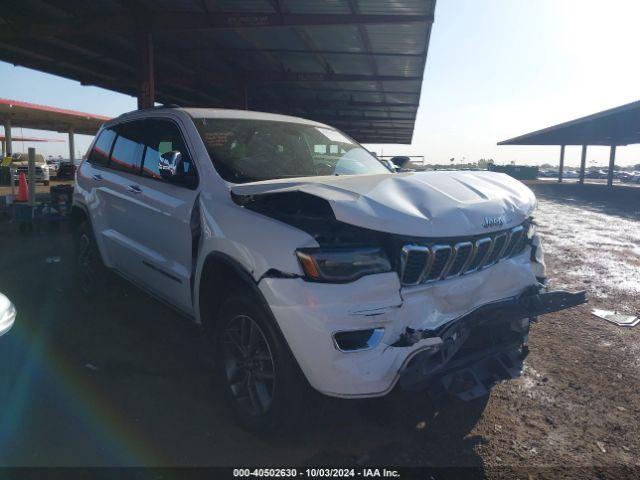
{"x": 311, "y": 314}
{"x": 482, "y": 348}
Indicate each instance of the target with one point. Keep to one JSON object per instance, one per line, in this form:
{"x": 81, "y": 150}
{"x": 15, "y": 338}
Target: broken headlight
{"x": 342, "y": 265}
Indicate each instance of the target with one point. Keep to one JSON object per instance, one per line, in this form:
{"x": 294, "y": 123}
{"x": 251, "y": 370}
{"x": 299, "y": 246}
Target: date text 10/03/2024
{"x": 317, "y": 472}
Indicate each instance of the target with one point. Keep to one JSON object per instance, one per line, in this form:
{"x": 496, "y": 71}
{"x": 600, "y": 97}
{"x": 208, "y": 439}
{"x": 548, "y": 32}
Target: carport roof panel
{"x": 352, "y": 63}
{"x": 42, "y": 117}
{"x": 616, "y": 126}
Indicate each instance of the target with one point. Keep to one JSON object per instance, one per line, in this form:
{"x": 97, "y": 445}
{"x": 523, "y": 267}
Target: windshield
{"x": 253, "y": 150}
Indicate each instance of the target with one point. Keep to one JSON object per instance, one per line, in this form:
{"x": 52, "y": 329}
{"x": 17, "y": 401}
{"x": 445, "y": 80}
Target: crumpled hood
{"x": 425, "y": 204}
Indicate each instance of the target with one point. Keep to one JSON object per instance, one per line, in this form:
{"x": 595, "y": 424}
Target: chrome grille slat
{"x": 412, "y": 254}
{"x": 440, "y": 258}
{"x": 514, "y": 238}
{"x": 423, "y": 264}
{"x": 497, "y": 247}
{"x": 481, "y": 250}
{"x": 459, "y": 259}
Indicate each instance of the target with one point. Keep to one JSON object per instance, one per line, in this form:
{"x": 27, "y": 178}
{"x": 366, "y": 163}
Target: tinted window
{"x": 162, "y": 136}
{"x": 100, "y": 153}
{"x": 127, "y": 151}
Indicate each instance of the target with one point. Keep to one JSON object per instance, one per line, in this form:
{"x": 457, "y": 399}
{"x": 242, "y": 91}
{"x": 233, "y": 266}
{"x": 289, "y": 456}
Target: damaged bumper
{"x": 404, "y": 330}
{"x": 482, "y": 348}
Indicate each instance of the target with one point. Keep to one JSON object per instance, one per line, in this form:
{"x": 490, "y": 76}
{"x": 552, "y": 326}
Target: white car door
{"x": 161, "y": 214}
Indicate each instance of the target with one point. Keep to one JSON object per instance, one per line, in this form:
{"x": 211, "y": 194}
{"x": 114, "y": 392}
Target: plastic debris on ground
{"x": 617, "y": 318}
{"x": 53, "y": 259}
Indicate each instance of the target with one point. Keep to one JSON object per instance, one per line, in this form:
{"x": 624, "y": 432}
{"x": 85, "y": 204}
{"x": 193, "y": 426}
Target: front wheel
{"x": 259, "y": 376}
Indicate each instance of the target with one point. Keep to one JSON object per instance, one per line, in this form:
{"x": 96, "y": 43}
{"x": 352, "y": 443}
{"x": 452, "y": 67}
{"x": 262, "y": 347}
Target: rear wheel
{"x": 90, "y": 271}
{"x": 259, "y": 376}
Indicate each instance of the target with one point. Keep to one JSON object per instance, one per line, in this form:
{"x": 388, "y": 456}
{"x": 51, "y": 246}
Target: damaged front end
{"x": 481, "y": 348}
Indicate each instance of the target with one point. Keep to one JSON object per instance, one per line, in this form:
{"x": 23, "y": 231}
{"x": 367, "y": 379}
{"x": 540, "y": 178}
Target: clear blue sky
{"x": 496, "y": 69}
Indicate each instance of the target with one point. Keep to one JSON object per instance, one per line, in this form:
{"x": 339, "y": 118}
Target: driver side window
{"x": 162, "y": 136}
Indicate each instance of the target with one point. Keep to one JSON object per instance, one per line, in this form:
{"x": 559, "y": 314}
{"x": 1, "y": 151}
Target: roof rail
{"x": 156, "y": 107}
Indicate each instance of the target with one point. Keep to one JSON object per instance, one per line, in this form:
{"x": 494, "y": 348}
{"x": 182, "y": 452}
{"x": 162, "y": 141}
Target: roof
{"x": 616, "y": 126}
{"x": 29, "y": 139}
{"x": 42, "y": 117}
{"x": 246, "y": 115}
{"x": 355, "y": 64}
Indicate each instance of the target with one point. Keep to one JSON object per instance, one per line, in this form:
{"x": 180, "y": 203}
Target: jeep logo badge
{"x": 490, "y": 222}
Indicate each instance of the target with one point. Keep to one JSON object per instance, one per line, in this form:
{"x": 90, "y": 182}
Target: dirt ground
{"x": 122, "y": 380}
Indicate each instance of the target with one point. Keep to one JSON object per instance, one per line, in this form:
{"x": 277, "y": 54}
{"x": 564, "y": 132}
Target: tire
{"x": 90, "y": 270}
{"x": 260, "y": 379}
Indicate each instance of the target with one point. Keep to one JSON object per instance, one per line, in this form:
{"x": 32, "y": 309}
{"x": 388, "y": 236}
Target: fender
{"x": 242, "y": 272}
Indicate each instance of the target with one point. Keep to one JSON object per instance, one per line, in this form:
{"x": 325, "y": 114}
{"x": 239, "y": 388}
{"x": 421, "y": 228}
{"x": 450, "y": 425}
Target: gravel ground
{"x": 121, "y": 380}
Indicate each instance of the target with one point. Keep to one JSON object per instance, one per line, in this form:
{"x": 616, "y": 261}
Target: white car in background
{"x": 308, "y": 262}
{"x": 20, "y": 164}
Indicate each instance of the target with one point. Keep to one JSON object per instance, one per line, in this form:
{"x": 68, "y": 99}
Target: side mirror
{"x": 170, "y": 165}
{"x": 400, "y": 162}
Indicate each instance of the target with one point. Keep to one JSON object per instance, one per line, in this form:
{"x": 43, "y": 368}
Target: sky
{"x": 496, "y": 69}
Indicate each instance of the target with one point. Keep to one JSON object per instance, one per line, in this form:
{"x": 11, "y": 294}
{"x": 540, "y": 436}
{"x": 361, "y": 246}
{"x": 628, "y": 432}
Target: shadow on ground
{"x": 124, "y": 380}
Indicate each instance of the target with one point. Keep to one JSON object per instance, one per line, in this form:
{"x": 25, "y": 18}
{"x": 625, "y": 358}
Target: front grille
{"x": 429, "y": 263}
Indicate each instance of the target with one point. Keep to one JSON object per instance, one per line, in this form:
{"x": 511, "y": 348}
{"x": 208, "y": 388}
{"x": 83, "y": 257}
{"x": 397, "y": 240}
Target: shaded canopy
{"x": 355, "y": 64}
{"x": 42, "y": 117}
{"x": 617, "y": 126}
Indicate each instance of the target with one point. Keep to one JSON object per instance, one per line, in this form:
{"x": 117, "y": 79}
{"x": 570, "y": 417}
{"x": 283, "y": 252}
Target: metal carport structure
{"x": 615, "y": 127}
{"x": 14, "y": 113}
{"x": 356, "y": 64}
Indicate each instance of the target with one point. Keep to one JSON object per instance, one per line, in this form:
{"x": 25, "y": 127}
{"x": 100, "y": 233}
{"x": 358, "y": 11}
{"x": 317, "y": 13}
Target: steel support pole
{"x": 72, "y": 147}
{"x": 7, "y": 136}
{"x": 583, "y": 163}
{"x": 245, "y": 94}
{"x": 145, "y": 69}
{"x": 612, "y": 162}
{"x": 32, "y": 176}
{"x": 561, "y": 168}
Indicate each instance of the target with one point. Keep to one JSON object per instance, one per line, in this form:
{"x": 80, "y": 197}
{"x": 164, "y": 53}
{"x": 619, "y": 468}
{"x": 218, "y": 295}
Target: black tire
{"x": 274, "y": 402}
{"x": 90, "y": 270}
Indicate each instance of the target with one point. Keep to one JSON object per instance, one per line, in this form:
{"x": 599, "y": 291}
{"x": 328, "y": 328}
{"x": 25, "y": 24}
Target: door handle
{"x": 97, "y": 177}
{"x": 134, "y": 189}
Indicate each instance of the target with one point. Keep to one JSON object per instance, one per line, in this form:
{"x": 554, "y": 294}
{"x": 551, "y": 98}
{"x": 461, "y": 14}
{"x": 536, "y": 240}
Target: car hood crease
{"x": 436, "y": 204}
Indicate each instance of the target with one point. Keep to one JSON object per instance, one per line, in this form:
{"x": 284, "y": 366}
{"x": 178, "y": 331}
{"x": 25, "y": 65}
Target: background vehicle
{"x": 20, "y": 164}
{"x": 53, "y": 167}
{"x": 308, "y": 262}
{"x": 66, "y": 170}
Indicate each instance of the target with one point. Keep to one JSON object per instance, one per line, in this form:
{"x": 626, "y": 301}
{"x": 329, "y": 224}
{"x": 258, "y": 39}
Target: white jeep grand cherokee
{"x": 308, "y": 262}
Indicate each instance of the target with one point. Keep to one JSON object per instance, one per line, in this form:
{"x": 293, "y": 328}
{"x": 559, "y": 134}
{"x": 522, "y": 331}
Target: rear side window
{"x": 162, "y": 136}
{"x": 127, "y": 151}
{"x": 100, "y": 153}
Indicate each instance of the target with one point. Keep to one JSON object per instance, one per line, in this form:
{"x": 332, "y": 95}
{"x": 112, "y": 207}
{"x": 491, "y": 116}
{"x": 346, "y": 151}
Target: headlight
{"x": 342, "y": 265}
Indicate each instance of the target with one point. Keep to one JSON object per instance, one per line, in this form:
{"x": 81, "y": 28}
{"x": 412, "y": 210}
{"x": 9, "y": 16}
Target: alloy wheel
{"x": 248, "y": 365}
